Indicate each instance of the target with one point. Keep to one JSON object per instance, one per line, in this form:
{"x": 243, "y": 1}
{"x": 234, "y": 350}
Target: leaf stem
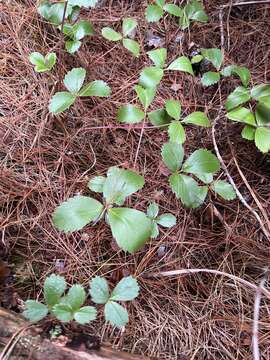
{"x": 64, "y": 15}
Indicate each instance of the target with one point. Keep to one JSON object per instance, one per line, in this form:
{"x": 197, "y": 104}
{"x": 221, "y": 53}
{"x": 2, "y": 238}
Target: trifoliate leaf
{"x": 132, "y": 46}
{"x": 97, "y": 88}
{"x": 130, "y": 114}
{"x": 243, "y": 115}
{"x": 54, "y": 288}
{"x": 210, "y": 78}
{"x": 96, "y": 184}
{"x": 215, "y": 56}
{"x": 197, "y": 118}
{"x": 224, "y": 189}
{"x": 262, "y": 114}
{"x": 181, "y": 64}
{"x": 75, "y": 297}
{"x": 166, "y": 220}
{"x": 159, "y": 117}
{"x": 110, "y": 34}
{"x": 172, "y": 155}
{"x": 74, "y": 79}
{"x": 61, "y": 101}
{"x": 153, "y": 13}
{"x": 241, "y": 71}
{"x": 35, "y": 311}
{"x": 262, "y": 139}
{"x": 72, "y": 46}
{"x": 261, "y": 93}
{"x": 158, "y": 56}
{"x": 248, "y": 132}
{"x": 81, "y": 29}
{"x": 99, "y": 290}
{"x": 128, "y": 26}
{"x": 176, "y": 132}
{"x": 42, "y": 63}
{"x": 150, "y": 76}
{"x": 126, "y": 290}
{"x": 116, "y": 314}
{"x": 130, "y": 228}
{"x": 76, "y": 212}
{"x": 85, "y": 314}
{"x": 173, "y": 9}
{"x": 63, "y": 312}
{"x": 152, "y": 210}
{"x": 146, "y": 96}
{"x": 200, "y": 162}
{"x": 239, "y": 96}
{"x": 173, "y": 108}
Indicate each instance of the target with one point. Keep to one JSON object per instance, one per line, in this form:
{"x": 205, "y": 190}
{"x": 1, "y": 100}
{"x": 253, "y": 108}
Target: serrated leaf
{"x": 172, "y": 155}
{"x": 72, "y": 46}
{"x": 215, "y": 56}
{"x": 261, "y": 93}
{"x": 241, "y": 71}
{"x": 173, "y": 9}
{"x": 210, "y": 78}
{"x": 196, "y": 59}
{"x": 248, "y": 132}
{"x": 262, "y": 114}
{"x": 85, "y": 3}
{"x": 99, "y": 290}
{"x": 85, "y": 314}
{"x": 176, "y": 132}
{"x": 243, "y": 115}
{"x": 181, "y": 64}
{"x": 128, "y": 26}
{"x": 158, "y": 56}
{"x": 224, "y": 189}
{"x": 75, "y": 297}
{"x": 239, "y": 96}
{"x": 110, "y": 34}
{"x": 35, "y": 311}
{"x": 130, "y": 228}
{"x": 54, "y": 288}
{"x": 126, "y": 290}
{"x": 61, "y": 101}
{"x": 262, "y": 139}
{"x": 150, "y": 76}
{"x": 63, "y": 312}
{"x": 200, "y": 162}
{"x": 155, "y": 230}
{"x": 97, "y": 183}
{"x": 81, "y": 29}
{"x": 146, "y": 96}
{"x": 173, "y": 108}
{"x": 76, "y": 212}
{"x": 167, "y": 220}
{"x": 152, "y": 210}
{"x": 153, "y": 13}
{"x": 197, "y": 118}
{"x": 130, "y": 114}
{"x": 132, "y": 46}
{"x": 116, "y": 314}
{"x": 159, "y": 117}
{"x": 97, "y": 88}
{"x": 74, "y": 79}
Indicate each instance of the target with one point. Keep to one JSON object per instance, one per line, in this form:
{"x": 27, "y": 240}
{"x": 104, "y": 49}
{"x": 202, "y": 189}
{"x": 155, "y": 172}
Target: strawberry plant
{"x": 203, "y": 165}
{"x": 128, "y": 27}
{"x": 42, "y": 63}
{"x": 73, "y": 82}
{"x": 131, "y": 228}
{"x": 166, "y": 220}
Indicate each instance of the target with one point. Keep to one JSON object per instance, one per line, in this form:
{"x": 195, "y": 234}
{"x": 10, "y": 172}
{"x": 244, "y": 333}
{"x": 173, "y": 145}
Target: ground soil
{"x": 46, "y": 159}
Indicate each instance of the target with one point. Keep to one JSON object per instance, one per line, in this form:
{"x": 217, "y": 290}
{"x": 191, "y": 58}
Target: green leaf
{"x": 50, "y": 60}
{"x": 200, "y": 162}
{"x": 181, "y": 64}
{"x": 97, "y": 88}
{"x": 173, "y": 9}
{"x": 158, "y": 56}
{"x": 42, "y": 63}
{"x": 150, "y": 76}
{"x": 160, "y": 3}
{"x": 126, "y": 290}
{"x": 63, "y": 312}
{"x": 239, "y": 96}
{"x": 176, "y": 132}
{"x": 99, "y": 290}
{"x": 155, "y": 230}
{"x": 248, "y": 132}
{"x": 81, "y": 29}
{"x": 173, "y": 108}
{"x": 243, "y": 115}
{"x": 195, "y": 11}
{"x": 262, "y": 139}
{"x": 215, "y": 56}
{"x": 261, "y": 93}
{"x": 262, "y": 114}
{"x": 224, "y": 189}
{"x": 85, "y": 314}
{"x": 132, "y": 46}
{"x": 96, "y": 184}
{"x": 153, "y": 13}
{"x": 167, "y": 220}
{"x": 210, "y": 78}
{"x": 116, "y": 314}
{"x": 197, "y": 118}
{"x": 240, "y": 71}
{"x": 75, "y": 297}
{"x": 111, "y": 35}
{"x": 130, "y": 228}
{"x": 159, "y": 117}
{"x": 172, "y": 155}
{"x": 184, "y": 20}
{"x": 72, "y": 46}
{"x": 152, "y": 210}
{"x": 54, "y": 288}
{"x": 146, "y": 96}
{"x": 76, "y": 212}
{"x": 85, "y": 3}
{"x": 196, "y": 59}
{"x": 61, "y": 101}
{"x": 130, "y": 114}
{"x": 186, "y": 188}
{"x": 35, "y": 311}
{"x": 74, "y": 79}
{"x": 54, "y": 12}
{"x": 205, "y": 178}
{"x": 128, "y": 26}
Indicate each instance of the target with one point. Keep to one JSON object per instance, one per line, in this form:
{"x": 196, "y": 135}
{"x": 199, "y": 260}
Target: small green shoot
{"x": 166, "y": 220}
{"x": 42, "y": 63}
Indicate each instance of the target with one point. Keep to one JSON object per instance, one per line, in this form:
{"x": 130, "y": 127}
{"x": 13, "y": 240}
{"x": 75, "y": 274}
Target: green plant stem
{"x": 140, "y": 139}
{"x": 64, "y": 15}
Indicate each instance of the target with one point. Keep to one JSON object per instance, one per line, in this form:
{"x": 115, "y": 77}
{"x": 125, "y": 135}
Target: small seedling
{"x": 42, "y": 63}
{"x": 131, "y": 228}
{"x": 202, "y": 164}
{"x": 75, "y": 33}
{"x": 166, "y": 220}
{"x": 73, "y": 82}
{"x": 128, "y": 27}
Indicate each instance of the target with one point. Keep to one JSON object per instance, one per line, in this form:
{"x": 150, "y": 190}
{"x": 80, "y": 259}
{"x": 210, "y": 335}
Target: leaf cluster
{"x": 42, "y": 63}
{"x": 166, "y": 220}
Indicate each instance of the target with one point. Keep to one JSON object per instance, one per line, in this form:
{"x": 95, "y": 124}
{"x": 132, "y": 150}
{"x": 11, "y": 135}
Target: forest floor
{"x": 46, "y": 159}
